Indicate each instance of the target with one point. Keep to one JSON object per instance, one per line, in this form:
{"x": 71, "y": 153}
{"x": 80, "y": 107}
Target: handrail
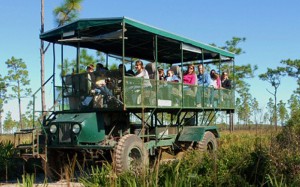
{"x": 33, "y": 98}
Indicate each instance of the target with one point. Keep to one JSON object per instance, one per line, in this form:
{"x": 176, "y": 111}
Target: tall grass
{"x": 27, "y": 180}
{"x": 244, "y": 158}
{"x": 6, "y": 138}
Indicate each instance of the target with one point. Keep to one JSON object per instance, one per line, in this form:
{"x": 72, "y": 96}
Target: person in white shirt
{"x": 141, "y": 72}
{"x": 140, "y": 87}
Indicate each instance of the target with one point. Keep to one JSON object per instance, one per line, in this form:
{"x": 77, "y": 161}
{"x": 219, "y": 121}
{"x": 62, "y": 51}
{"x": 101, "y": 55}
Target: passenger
{"x": 130, "y": 73}
{"x": 216, "y": 81}
{"x": 99, "y": 88}
{"x": 100, "y": 75}
{"x": 177, "y": 71}
{"x": 173, "y": 90}
{"x": 161, "y": 74}
{"x": 138, "y": 88}
{"x": 90, "y": 76}
{"x": 216, "y": 84}
{"x": 225, "y": 82}
{"x": 203, "y": 77}
{"x": 127, "y": 73}
{"x": 121, "y": 68}
{"x": 190, "y": 88}
{"x": 99, "y": 67}
{"x": 171, "y": 77}
{"x": 203, "y": 80}
{"x": 190, "y": 76}
{"x": 142, "y": 73}
{"x": 90, "y": 68}
{"x": 151, "y": 70}
{"x": 90, "y": 84}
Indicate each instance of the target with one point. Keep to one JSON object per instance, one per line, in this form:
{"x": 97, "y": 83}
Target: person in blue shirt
{"x": 203, "y": 77}
{"x": 171, "y": 77}
{"x": 173, "y": 90}
{"x": 203, "y": 80}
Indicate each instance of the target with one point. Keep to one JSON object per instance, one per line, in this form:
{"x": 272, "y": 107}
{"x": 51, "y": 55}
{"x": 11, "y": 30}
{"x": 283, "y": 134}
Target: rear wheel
{"x": 131, "y": 154}
{"x": 208, "y": 143}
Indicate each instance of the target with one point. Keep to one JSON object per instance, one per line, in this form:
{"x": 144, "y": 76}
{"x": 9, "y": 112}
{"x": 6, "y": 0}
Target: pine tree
{"x": 18, "y": 81}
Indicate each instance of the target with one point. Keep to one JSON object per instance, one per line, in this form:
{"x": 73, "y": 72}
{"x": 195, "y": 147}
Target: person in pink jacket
{"x": 216, "y": 81}
{"x": 190, "y": 76}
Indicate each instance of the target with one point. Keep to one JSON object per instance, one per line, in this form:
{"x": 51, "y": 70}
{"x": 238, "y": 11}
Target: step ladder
{"x": 34, "y": 147}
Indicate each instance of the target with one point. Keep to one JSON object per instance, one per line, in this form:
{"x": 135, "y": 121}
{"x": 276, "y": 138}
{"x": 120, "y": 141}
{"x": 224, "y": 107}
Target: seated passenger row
{"x": 174, "y": 75}
{"x": 190, "y": 77}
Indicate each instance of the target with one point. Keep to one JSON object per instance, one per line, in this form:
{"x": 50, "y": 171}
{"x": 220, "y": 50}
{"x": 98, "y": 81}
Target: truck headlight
{"x": 53, "y": 129}
{"x": 76, "y": 128}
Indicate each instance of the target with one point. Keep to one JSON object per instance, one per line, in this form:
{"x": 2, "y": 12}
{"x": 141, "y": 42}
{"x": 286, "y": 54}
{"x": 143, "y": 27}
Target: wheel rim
{"x": 135, "y": 158}
{"x": 210, "y": 146}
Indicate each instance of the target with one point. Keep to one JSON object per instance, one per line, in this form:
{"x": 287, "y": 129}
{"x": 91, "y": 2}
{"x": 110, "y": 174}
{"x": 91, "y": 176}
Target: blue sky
{"x": 271, "y": 28}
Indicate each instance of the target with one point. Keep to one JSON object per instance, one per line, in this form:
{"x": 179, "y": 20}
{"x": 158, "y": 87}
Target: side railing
{"x": 33, "y": 102}
{"x": 140, "y": 92}
{"x": 31, "y": 142}
{"x": 81, "y": 92}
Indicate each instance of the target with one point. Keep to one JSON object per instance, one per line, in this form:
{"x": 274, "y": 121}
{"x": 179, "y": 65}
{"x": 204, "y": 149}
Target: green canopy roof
{"x": 139, "y": 40}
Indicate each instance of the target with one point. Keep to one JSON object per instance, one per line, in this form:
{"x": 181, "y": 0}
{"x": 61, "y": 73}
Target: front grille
{"x": 65, "y": 132}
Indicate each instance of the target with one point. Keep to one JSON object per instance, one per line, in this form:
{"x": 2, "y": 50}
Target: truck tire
{"x": 208, "y": 143}
{"x": 131, "y": 155}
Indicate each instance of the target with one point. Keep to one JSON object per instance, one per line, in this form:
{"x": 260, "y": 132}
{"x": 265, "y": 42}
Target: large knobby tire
{"x": 208, "y": 143}
{"x": 131, "y": 155}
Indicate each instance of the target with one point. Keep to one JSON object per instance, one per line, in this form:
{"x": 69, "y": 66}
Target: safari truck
{"x": 111, "y": 113}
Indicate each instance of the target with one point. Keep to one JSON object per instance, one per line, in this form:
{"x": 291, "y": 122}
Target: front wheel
{"x": 131, "y": 154}
{"x": 208, "y": 143}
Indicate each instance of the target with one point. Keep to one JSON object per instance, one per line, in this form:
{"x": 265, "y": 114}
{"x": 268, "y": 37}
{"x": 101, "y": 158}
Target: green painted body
{"x": 196, "y": 133}
{"x": 91, "y": 125}
{"x": 92, "y": 133}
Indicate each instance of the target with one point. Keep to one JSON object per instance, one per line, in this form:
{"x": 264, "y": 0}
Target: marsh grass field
{"x": 257, "y": 157}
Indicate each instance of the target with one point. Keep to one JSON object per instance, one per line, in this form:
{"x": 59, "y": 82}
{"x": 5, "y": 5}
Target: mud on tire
{"x": 208, "y": 143}
{"x": 131, "y": 155}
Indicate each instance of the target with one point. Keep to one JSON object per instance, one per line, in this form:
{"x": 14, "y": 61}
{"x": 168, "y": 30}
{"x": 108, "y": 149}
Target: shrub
{"x": 9, "y": 166}
{"x": 286, "y": 152}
